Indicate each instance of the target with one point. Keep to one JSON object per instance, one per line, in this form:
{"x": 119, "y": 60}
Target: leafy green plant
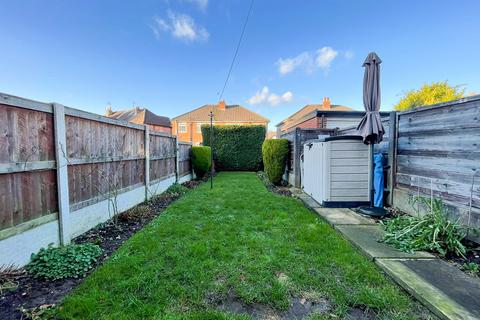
{"x": 428, "y": 94}
{"x": 176, "y": 189}
{"x": 201, "y": 160}
{"x": 471, "y": 267}
{"x": 236, "y": 148}
{"x": 432, "y": 231}
{"x": 275, "y": 154}
{"x": 69, "y": 261}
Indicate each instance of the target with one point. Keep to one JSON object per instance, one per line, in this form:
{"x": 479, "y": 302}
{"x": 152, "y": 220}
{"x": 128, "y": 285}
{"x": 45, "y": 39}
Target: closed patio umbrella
{"x": 370, "y": 127}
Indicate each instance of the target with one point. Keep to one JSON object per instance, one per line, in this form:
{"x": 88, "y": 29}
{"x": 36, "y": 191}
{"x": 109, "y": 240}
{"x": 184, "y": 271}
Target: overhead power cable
{"x": 236, "y": 50}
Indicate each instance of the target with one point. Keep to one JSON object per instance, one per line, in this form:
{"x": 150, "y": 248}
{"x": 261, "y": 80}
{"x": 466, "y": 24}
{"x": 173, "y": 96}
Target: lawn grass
{"x": 237, "y": 239}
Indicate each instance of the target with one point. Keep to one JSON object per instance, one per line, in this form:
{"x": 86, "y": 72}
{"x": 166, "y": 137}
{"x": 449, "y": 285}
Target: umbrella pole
{"x": 372, "y": 173}
{"x": 372, "y": 210}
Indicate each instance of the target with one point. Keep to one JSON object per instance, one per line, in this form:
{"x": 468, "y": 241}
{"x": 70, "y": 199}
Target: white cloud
{"x": 303, "y": 60}
{"x": 264, "y": 96}
{"x": 309, "y": 61}
{"x": 325, "y": 56}
{"x": 180, "y": 26}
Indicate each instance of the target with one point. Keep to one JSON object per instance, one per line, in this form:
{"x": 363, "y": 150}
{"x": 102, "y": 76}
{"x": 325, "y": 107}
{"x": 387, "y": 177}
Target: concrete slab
{"x": 444, "y": 289}
{"x": 366, "y": 238}
{"x": 341, "y": 216}
{"x": 308, "y": 201}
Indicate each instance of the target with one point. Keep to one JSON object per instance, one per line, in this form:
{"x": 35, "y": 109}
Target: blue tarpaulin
{"x": 378, "y": 182}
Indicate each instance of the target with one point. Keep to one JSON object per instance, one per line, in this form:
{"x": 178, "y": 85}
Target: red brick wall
{"x": 312, "y": 123}
{"x": 160, "y": 128}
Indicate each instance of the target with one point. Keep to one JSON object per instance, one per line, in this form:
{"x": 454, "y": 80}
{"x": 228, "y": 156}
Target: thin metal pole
{"x": 372, "y": 172}
{"x": 211, "y": 150}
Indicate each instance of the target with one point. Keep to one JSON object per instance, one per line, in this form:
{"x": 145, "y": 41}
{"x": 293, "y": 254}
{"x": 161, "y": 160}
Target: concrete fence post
{"x": 147, "y": 162}
{"x": 177, "y": 159}
{"x": 60, "y": 140}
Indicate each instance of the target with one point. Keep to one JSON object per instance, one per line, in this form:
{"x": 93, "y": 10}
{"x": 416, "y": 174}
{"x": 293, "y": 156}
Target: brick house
{"x": 142, "y": 116}
{"x": 325, "y": 115}
{"x": 189, "y": 124}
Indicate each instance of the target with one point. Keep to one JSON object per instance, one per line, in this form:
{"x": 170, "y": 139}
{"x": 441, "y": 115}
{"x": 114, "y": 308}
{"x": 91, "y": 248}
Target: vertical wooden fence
{"x": 63, "y": 171}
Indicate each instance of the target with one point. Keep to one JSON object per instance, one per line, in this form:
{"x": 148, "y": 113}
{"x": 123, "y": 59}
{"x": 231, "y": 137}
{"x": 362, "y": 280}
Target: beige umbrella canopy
{"x": 370, "y": 127}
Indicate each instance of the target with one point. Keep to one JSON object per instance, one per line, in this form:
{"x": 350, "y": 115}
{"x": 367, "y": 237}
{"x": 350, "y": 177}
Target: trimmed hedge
{"x": 236, "y": 147}
{"x": 201, "y": 160}
{"x": 275, "y": 153}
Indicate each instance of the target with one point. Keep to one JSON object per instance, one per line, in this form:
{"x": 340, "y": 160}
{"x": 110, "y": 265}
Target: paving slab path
{"x": 441, "y": 287}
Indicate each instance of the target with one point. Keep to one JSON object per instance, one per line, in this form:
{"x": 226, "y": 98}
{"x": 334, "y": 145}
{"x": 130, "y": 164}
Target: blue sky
{"x": 173, "y": 56}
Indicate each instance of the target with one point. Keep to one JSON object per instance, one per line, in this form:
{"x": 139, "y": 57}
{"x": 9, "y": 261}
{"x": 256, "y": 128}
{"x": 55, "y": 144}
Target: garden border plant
{"x": 201, "y": 160}
{"x": 275, "y": 153}
{"x": 431, "y": 231}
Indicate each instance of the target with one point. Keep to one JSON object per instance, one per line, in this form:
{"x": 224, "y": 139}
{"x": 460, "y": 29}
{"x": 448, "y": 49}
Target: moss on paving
{"x": 235, "y": 239}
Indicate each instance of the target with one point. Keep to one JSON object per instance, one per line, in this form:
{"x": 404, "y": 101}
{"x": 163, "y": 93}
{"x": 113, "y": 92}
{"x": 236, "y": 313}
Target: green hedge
{"x": 236, "y": 148}
{"x": 275, "y": 153}
{"x": 201, "y": 160}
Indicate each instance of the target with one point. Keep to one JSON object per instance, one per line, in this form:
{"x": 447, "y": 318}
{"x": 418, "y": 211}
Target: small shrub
{"x": 432, "y": 231}
{"x": 275, "y": 154}
{"x": 176, "y": 189}
{"x": 64, "y": 262}
{"x": 201, "y": 160}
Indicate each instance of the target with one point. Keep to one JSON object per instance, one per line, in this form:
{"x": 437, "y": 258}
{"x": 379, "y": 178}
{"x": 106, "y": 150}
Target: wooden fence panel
{"x": 27, "y": 135}
{"x": 99, "y": 181}
{"x": 184, "y": 162}
{"x": 27, "y": 183}
{"x": 103, "y": 159}
{"x": 438, "y": 155}
{"x": 162, "y": 156}
{"x": 161, "y": 169}
{"x": 26, "y": 196}
{"x": 93, "y": 140}
{"x": 162, "y": 146}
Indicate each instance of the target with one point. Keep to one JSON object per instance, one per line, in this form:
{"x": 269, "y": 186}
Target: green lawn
{"x": 237, "y": 240}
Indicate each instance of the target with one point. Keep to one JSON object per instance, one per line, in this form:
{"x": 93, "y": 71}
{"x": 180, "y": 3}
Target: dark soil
{"x": 283, "y": 190}
{"x": 29, "y": 293}
{"x": 298, "y": 308}
{"x": 472, "y": 256}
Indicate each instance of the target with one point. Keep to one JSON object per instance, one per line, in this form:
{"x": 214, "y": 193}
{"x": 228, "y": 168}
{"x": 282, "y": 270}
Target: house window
{"x": 199, "y": 127}
{"x": 182, "y": 127}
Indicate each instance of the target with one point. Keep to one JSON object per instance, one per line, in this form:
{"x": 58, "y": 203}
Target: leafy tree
{"x": 428, "y": 94}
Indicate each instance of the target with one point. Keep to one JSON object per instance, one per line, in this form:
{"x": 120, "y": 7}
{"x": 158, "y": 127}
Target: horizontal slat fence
{"x": 104, "y": 159}
{"x": 438, "y": 154}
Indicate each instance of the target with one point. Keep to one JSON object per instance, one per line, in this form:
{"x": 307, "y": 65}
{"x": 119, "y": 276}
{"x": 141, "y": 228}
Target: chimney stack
{"x": 222, "y": 105}
{"x": 326, "y": 103}
{"x": 109, "y": 111}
